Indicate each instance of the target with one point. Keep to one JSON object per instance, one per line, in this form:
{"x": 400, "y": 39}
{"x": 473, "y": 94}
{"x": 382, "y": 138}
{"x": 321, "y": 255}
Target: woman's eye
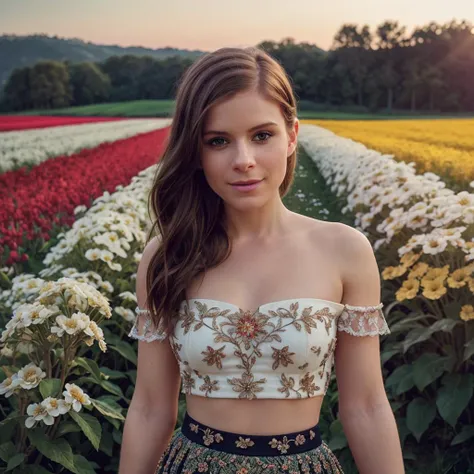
{"x": 266, "y": 136}
{"x": 221, "y": 141}
{"x": 214, "y": 140}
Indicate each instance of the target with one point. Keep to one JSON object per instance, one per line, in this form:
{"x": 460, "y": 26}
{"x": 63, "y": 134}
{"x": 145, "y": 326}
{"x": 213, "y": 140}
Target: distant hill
{"x": 20, "y": 51}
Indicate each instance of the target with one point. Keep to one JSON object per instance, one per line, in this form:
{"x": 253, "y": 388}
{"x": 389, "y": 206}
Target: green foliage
{"x": 430, "y": 70}
{"x": 89, "y": 84}
{"x": 90, "y": 427}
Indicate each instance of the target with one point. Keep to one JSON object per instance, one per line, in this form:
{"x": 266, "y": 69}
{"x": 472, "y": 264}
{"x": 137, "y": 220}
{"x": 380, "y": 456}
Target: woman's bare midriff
{"x": 257, "y": 417}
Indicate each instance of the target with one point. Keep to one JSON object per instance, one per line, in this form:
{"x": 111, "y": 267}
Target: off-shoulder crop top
{"x": 284, "y": 349}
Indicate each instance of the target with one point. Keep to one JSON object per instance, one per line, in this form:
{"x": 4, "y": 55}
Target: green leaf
{"x": 125, "y": 350}
{"x": 467, "y": 432}
{"x": 132, "y": 374}
{"x": 422, "y": 334}
{"x": 454, "y": 397}
{"x": 15, "y": 461}
{"x": 452, "y": 310}
{"x": 50, "y": 388}
{"x": 420, "y": 414}
{"x": 401, "y": 379}
{"x": 403, "y": 430}
{"x": 396, "y": 406}
{"x": 468, "y": 350}
{"x": 9, "y": 425}
{"x": 58, "y": 450}
{"x": 7, "y": 451}
{"x": 90, "y": 365}
{"x": 387, "y": 355}
{"x": 407, "y": 322}
{"x": 106, "y": 409}
{"x": 14, "y": 417}
{"x": 338, "y": 439}
{"x": 83, "y": 465}
{"x": 112, "y": 374}
{"x": 428, "y": 368}
{"x": 90, "y": 427}
{"x": 30, "y": 469}
{"x": 112, "y": 388}
{"x": 117, "y": 436}
{"x": 68, "y": 427}
{"x": 106, "y": 443}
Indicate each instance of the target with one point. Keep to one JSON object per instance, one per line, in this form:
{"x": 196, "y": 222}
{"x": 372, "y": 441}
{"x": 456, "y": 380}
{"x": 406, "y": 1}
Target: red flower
{"x": 34, "y": 202}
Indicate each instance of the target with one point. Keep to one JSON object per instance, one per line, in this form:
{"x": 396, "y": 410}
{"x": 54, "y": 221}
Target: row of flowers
{"x": 423, "y": 237}
{"x": 9, "y": 123}
{"x": 413, "y": 217}
{"x": 102, "y": 246}
{"x": 35, "y": 146}
{"x": 33, "y": 205}
{"x": 56, "y": 318}
{"x": 445, "y": 147}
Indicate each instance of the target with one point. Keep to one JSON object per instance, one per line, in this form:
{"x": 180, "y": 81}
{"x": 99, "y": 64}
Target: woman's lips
{"x": 245, "y": 188}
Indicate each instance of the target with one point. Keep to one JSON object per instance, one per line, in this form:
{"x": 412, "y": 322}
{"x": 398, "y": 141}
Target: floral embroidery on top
{"x": 284, "y": 351}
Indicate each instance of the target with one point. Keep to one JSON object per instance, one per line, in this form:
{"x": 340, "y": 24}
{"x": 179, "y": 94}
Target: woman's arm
{"x": 152, "y": 414}
{"x": 364, "y": 410}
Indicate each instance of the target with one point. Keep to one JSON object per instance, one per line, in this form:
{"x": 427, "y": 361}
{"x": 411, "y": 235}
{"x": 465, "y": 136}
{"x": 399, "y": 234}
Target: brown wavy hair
{"x": 188, "y": 215}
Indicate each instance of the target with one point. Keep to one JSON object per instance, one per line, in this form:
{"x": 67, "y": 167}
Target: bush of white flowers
{"x": 423, "y": 237}
{"x": 101, "y": 252}
{"x": 52, "y": 372}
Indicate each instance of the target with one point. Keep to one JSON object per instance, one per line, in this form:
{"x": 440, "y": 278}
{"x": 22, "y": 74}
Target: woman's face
{"x": 245, "y": 139}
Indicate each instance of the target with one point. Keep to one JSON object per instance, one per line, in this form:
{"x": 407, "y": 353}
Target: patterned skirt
{"x": 197, "y": 448}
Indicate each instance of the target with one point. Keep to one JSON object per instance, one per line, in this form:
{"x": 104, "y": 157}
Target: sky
{"x": 211, "y": 24}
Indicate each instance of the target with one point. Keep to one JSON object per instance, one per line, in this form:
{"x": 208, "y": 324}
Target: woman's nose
{"x": 244, "y": 158}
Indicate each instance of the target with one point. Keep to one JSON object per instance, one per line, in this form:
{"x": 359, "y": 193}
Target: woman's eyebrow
{"x": 218, "y": 132}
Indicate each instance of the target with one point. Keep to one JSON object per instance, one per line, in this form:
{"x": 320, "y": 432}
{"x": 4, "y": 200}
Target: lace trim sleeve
{"x": 363, "y": 320}
{"x": 143, "y": 328}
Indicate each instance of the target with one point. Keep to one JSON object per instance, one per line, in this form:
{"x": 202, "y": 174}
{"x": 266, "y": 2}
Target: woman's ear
{"x": 293, "y": 137}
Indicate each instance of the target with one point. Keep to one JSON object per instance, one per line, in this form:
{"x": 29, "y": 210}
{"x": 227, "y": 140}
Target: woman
{"x": 241, "y": 301}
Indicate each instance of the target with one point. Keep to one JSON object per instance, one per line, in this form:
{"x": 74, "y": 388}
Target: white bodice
{"x": 283, "y": 349}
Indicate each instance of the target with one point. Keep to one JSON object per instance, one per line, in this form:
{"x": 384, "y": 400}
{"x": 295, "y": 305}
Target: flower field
{"x": 36, "y": 201}
{"x": 68, "y": 369}
{"x": 35, "y": 146}
{"x": 444, "y": 147}
{"x": 21, "y": 122}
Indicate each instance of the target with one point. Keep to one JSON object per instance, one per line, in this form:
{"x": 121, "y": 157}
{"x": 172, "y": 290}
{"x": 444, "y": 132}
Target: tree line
{"x": 431, "y": 69}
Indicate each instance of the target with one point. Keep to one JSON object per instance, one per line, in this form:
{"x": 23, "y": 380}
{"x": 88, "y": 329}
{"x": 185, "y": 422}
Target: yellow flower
{"x": 471, "y": 284}
{"x": 459, "y": 278}
{"x": 418, "y": 270}
{"x": 409, "y": 259}
{"x": 391, "y": 273}
{"x": 434, "y": 289}
{"x": 408, "y": 290}
{"x": 467, "y": 312}
{"x": 436, "y": 273}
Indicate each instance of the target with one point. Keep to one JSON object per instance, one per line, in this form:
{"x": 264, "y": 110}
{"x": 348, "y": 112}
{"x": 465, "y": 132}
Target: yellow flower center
{"x": 76, "y": 394}
{"x": 38, "y": 410}
{"x": 30, "y": 375}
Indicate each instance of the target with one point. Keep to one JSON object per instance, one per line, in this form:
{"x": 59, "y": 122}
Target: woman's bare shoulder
{"x": 340, "y": 241}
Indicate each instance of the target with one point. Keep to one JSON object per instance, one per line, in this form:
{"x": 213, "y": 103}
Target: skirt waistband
{"x": 251, "y": 445}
